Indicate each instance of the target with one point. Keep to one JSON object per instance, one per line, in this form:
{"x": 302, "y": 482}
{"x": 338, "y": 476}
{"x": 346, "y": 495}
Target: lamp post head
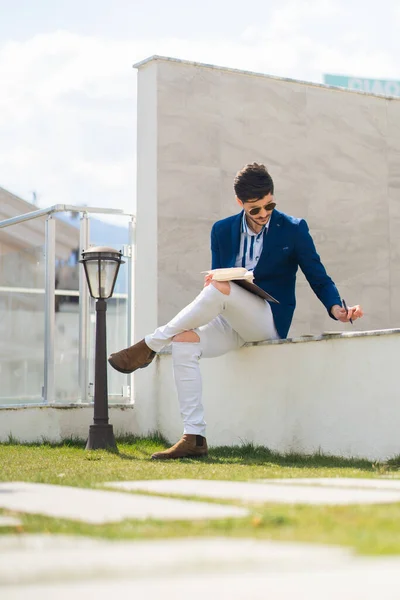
{"x": 101, "y": 265}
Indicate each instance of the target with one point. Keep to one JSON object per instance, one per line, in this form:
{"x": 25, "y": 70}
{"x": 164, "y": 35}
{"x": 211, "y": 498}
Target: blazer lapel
{"x": 271, "y": 237}
{"x": 235, "y": 237}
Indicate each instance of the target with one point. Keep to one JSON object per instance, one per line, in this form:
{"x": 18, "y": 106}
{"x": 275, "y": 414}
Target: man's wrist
{"x": 334, "y": 308}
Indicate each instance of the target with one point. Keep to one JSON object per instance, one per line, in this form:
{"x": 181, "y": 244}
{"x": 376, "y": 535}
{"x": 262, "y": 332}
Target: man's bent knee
{"x": 222, "y": 286}
{"x": 187, "y": 336}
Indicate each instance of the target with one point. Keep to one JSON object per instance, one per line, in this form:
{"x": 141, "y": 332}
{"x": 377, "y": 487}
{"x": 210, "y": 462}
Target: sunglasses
{"x": 254, "y": 211}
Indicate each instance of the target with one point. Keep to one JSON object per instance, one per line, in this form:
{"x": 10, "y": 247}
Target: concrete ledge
{"x": 309, "y": 337}
{"x": 27, "y": 424}
{"x": 328, "y": 335}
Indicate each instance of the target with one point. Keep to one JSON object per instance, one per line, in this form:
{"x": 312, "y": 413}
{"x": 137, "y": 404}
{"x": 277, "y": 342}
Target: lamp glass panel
{"x": 101, "y": 275}
{"x": 108, "y": 272}
{"x": 92, "y": 273}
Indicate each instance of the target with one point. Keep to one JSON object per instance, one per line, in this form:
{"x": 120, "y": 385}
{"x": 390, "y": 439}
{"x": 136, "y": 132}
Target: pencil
{"x": 346, "y": 309}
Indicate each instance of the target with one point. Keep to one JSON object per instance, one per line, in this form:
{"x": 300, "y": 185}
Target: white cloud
{"x": 67, "y": 120}
{"x": 291, "y": 17}
{"x": 67, "y": 107}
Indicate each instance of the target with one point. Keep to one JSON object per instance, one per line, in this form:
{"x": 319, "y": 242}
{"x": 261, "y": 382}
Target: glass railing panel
{"x": 22, "y": 316}
{"x": 66, "y": 333}
{"x": 21, "y": 320}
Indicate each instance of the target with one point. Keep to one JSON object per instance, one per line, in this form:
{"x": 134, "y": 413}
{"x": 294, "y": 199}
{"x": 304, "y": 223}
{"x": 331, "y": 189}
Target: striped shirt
{"x": 251, "y": 245}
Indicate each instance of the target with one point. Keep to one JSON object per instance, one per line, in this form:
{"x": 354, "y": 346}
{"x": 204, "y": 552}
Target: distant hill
{"x": 101, "y": 232}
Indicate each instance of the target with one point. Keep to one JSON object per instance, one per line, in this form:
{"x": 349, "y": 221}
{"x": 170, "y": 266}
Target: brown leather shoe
{"x": 189, "y": 446}
{"x": 135, "y": 357}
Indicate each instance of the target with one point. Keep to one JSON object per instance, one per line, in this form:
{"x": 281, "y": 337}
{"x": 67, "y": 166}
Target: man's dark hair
{"x": 253, "y": 181}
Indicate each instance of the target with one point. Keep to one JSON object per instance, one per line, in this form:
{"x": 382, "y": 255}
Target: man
{"x": 224, "y": 316}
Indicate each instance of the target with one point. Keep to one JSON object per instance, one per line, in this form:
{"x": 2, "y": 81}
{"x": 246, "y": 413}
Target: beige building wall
{"x": 334, "y": 156}
{"x": 31, "y": 234}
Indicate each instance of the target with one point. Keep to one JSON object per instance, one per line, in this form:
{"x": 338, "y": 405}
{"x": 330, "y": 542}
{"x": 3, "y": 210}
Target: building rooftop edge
{"x": 157, "y": 57}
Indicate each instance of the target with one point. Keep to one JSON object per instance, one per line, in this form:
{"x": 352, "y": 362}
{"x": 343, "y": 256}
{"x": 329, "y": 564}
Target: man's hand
{"x": 207, "y": 280}
{"x": 353, "y": 313}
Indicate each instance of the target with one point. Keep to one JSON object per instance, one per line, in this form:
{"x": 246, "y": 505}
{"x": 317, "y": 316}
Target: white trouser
{"x": 223, "y": 323}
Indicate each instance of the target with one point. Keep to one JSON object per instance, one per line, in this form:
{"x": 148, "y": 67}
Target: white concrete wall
{"x": 54, "y": 424}
{"x": 338, "y": 395}
{"x": 146, "y": 269}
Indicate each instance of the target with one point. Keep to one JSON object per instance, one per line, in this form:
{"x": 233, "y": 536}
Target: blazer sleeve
{"x": 215, "y": 254}
{"x": 312, "y": 267}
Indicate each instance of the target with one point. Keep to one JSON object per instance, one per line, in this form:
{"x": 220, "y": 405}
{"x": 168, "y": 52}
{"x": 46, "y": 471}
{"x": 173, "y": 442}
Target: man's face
{"x": 263, "y": 206}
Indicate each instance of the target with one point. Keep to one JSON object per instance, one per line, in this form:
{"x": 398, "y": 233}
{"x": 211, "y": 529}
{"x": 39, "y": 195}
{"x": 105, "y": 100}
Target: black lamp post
{"x": 101, "y": 269}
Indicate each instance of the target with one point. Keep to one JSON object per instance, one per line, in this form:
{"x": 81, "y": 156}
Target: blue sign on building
{"x": 384, "y": 87}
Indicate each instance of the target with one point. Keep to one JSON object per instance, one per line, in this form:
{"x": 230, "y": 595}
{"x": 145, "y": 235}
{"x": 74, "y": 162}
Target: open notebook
{"x": 242, "y": 277}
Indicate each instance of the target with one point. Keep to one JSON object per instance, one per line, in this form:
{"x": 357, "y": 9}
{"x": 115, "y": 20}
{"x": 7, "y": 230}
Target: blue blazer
{"x": 287, "y": 245}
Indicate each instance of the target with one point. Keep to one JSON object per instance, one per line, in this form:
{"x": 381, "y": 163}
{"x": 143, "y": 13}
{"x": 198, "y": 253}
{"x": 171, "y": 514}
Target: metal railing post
{"x": 84, "y": 241}
{"x": 49, "y": 309}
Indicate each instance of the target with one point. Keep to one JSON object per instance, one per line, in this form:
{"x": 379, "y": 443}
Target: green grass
{"x": 367, "y": 529}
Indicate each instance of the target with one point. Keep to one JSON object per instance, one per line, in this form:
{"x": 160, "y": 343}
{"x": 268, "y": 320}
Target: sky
{"x": 68, "y": 89}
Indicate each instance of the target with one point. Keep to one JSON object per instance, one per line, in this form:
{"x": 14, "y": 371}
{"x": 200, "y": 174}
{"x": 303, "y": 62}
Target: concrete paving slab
{"x": 9, "y": 521}
{"x": 257, "y": 492}
{"x": 341, "y": 482}
{"x": 48, "y": 567}
{"x": 337, "y": 584}
{"x": 37, "y": 558}
{"x": 99, "y": 506}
